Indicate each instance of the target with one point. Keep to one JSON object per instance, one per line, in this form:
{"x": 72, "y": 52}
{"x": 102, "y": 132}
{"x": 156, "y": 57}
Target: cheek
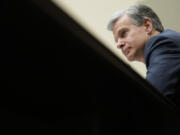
{"x": 132, "y": 39}
{"x": 132, "y": 42}
{"x": 137, "y": 41}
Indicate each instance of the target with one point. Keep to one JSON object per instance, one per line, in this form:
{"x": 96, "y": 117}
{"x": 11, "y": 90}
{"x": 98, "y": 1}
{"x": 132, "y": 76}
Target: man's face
{"x": 131, "y": 39}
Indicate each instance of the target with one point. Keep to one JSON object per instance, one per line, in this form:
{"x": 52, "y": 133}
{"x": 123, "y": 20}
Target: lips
{"x": 125, "y": 50}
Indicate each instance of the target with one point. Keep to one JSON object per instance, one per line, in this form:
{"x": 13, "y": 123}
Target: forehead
{"x": 124, "y": 21}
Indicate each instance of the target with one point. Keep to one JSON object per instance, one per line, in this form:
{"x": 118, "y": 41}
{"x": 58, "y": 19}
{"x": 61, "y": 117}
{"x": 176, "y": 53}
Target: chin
{"x": 130, "y": 59}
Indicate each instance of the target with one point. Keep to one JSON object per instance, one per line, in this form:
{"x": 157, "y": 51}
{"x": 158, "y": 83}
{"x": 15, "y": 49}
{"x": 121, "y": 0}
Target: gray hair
{"x": 137, "y": 13}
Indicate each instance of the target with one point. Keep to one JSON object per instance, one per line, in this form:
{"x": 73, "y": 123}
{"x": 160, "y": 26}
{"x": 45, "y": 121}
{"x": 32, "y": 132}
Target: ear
{"x": 148, "y": 26}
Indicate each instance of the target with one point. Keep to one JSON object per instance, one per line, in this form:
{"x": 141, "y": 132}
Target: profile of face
{"x": 130, "y": 38}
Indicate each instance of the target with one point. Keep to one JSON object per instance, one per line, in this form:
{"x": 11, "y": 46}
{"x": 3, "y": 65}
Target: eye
{"x": 123, "y": 34}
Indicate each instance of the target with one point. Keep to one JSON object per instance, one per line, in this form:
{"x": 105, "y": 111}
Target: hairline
{"x": 119, "y": 16}
{"x": 130, "y": 12}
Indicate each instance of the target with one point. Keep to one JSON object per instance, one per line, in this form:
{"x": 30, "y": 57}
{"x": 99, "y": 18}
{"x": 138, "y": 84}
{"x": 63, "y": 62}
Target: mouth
{"x": 126, "y": 51}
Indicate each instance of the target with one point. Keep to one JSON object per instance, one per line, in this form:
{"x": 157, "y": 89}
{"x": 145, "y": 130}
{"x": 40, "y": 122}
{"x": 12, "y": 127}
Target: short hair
{"x": 137, "y": 13}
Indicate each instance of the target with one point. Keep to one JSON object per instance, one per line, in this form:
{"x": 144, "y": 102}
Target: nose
{"x": 120, "y": 44}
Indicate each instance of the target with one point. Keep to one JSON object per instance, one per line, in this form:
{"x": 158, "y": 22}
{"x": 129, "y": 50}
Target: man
{"x": 140, "y": 35}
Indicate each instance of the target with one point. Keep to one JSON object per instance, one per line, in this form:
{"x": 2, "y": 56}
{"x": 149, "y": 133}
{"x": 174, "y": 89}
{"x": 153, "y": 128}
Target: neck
{"x": 142, "y": 59}
{"x": 150, "y": 35}
{"x": 153, "y": 33}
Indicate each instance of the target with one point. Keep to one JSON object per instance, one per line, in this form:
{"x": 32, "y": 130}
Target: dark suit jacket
{"x": 162, "y": 57}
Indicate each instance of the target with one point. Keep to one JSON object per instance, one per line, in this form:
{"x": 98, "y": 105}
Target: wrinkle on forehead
{"x": 120, "y": 24}
{"x": 124, "y": 20}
